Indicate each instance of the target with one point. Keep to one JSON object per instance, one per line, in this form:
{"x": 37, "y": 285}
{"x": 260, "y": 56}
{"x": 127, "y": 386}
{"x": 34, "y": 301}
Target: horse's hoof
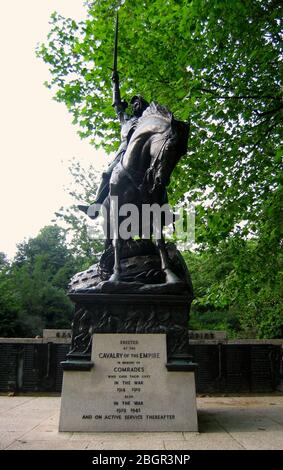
{"x": 83, "y": 208}
{"x": 88, "y": 210}
{"x": 114, "y": 277}
{"x": 171, "y": 278}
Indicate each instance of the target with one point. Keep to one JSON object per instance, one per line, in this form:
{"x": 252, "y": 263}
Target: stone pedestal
{"x": 130, "y": 386}
{"x": 128, "y": 368}
{"x": 128, "y": 313}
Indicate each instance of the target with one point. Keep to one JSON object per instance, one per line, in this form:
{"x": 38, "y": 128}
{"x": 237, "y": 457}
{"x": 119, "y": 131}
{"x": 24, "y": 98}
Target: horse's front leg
{"x": 171, "y": 278}
{"x": 113, "y": 228}
{"x": 115, "y": 277}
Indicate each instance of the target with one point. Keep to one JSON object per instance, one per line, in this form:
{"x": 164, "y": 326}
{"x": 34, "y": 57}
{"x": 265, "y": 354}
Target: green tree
{"x": 216, "y": 62}
{"x": 9, "y": 302}
{"x": 47, "y": 252}
{"x": 238, "y": 288}
{"x": 78, "y": 226}
{"x": 3, "y": 260}
{"x": 212, "y": 60}
{"x": 33, "y": 287}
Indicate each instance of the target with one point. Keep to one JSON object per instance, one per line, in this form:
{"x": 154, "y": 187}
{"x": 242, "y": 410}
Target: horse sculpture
{"x": 143, "y": 174}
{"x": 139, "y": 285}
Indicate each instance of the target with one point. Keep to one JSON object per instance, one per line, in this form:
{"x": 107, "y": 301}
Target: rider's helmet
{"x": 139, "y": 104}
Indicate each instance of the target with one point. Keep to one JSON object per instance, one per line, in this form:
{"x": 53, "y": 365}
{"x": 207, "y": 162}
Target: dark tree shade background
{"x": 216, "y": 62}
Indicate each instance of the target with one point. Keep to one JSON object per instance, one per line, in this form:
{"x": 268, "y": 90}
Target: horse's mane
{"x": 155, "y": 109}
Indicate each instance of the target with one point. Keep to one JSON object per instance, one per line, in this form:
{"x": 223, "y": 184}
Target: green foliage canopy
{"x": 214, "y": 61}
{"x": 33, "y": 286}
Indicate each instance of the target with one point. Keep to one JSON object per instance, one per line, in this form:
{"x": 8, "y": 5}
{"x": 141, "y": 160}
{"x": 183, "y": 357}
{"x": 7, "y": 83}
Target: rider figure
{"x": 128, "y": 126}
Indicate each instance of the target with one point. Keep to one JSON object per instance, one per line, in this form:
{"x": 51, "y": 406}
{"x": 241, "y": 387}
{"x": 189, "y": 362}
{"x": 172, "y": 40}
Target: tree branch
{"x": 235, "y": 97}
{"x": 270, "y": 111}
{"x": 226, "y": 87}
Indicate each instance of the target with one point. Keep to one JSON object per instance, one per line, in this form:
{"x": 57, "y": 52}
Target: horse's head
{"x": 171, "y": 150}
{"x": 154, "y": 149}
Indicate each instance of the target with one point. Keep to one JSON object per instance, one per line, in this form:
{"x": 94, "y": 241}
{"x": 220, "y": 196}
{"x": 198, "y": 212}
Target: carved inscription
{"x": 129, "y": 372}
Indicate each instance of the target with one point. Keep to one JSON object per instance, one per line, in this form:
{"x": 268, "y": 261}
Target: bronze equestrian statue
{"x": 140, "y": 284}
{"x": 152, "y": 143}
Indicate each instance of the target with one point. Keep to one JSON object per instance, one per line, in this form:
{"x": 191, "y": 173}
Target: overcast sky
{"x": 37, "y": 137}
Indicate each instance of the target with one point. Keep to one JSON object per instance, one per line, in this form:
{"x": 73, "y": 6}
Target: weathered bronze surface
{"x": 151, "y": 147}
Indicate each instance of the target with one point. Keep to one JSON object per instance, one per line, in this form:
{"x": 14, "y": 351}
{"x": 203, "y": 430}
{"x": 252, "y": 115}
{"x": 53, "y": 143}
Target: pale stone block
{"x": 129, "y": 389}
